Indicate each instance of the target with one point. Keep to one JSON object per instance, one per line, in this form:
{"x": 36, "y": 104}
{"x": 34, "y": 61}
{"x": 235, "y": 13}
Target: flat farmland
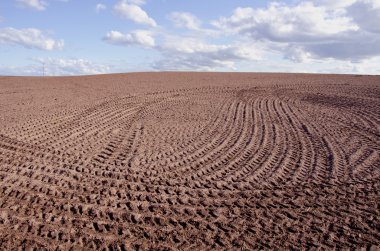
{"x": 190, "y": 161}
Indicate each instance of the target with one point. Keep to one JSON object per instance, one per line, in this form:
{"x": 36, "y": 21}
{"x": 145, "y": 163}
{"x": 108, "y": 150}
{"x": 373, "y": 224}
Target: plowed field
{"x": 190, "y": 161}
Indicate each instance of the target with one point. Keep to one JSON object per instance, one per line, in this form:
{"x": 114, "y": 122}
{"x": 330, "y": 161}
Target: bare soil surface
{"x": 190, "y": 161}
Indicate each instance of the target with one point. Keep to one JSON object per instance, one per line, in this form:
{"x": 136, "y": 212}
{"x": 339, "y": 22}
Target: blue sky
{"x": 72, "y": 37}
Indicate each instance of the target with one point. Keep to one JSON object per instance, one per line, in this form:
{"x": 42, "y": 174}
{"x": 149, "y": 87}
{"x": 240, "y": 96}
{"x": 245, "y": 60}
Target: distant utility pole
{"x": 43, "y": 69}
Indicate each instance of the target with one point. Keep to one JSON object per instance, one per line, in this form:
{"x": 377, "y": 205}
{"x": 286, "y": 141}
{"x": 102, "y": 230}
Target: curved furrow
{"x": 98, "y": 116}
{"x": 67, "y": 142}
{"x": 216, "y": 148}
{"x": 372, "y": 116}
{"x": 337, "y": 156}
{"x": 259, "y": 164}
{"x": 119, "y": 143}
{"x": 257, "y": 151}
{"x": 369, "y": 121}
{"x": 369, "y": 136}
{"x": 356, "y": 119}
{"x": 192, "y": 144}
{"x": 298, "y": 159}
{"x": 164, "y": 155}
{"x": 278, "y": 152}
{"x": 330, "y": 160}
{"x": 334, "y": 160}
{"x": 119, "y": 153}
{"x": 262, "y": 159}
{"x": 289, "y": 159}
{"x": 38, "y": 130}
{"x": 206, "y": 144}
{"x": 367, "y": 167}
{"x": 214, "y": 172}
{"x": 242, "y": 167}
{"x": 293, "y": 164}
{"x": 227, "y": 170}
{"x": 101, "y": 132}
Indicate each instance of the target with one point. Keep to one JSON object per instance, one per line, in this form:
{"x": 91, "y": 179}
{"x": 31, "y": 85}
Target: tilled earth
{"x": 190, "y": 161}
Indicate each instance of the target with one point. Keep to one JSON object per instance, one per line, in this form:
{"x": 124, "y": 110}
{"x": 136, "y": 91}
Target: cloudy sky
{"x": 72, "y": 37}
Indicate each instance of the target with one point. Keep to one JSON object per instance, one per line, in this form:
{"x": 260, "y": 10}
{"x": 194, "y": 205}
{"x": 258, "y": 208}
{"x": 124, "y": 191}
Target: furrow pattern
{"x": 200, "y": 161}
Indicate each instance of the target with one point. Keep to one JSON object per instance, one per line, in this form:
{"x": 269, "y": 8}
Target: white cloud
{"x": 342, "y": 29}
{"x": 366, "y": 66}
{"x": 194, "y": 54}
{"x": 297, "y": 54}
{"x": 56, "y": 67}
{"x": 279, "y": 22}
{"x": 32, "y": 4}
{"x": 72, "y": 66}
{"x": 29, "y": 38}
{"x": 130, "y": 9}
{"x": 186, "y": 20}
{"x": 188, "y": 53}
{"x": 99, "y": 7}
{"x": 138, "y": 37}
{"x": 191, "y": 22}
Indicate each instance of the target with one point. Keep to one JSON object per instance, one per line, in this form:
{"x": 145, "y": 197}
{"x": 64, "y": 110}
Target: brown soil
{"x": 190, "y": 161}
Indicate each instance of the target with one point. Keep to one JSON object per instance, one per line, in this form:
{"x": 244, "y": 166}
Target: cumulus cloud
{"x": 192, "y": 23}
{"x": 29, "y": 38}
{"x": 32, "y": 4}
{"x": 138, "y": 37}
{"x": 195, "y": 54}
{"x": 99, "y": 7}
{"x": 130, "y": 9}
{"x": 304, "y": 34}
{"x": 342, "y": 29}
{"x": 282, "y": 23}
{"x": 186, "y": 20}
{"x": 297, "y": 54}
{"x": 188, "y": 53}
